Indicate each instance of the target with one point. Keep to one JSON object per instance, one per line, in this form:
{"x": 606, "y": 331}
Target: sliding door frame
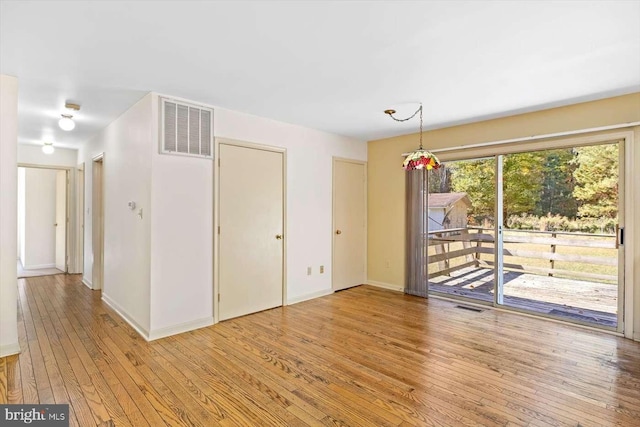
{"x": 626, "y": 172}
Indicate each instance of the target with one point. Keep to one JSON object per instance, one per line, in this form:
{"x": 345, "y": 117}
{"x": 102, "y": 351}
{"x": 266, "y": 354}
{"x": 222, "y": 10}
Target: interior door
{"x": 251, "y": 229}
{"x": 61, "y": 220}
{"x": 349, "y": 220}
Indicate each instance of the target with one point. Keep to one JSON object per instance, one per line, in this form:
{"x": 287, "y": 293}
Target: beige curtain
{"x": 416, "y": 233}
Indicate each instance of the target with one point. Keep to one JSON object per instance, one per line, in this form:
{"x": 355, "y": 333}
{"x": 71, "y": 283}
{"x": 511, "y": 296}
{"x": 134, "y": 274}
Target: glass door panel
{"x": 461, "y": 229}
{"x": 559, "y": 223}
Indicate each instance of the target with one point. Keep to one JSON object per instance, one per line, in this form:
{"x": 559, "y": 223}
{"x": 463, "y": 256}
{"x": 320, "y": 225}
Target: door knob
{"x": 338, "y": 231}
{"x": 55, "y": 225}
{"x": 279, "y": 236}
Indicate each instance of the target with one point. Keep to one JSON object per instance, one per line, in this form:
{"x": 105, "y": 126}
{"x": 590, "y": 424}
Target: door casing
{"x": 97, "y": 212}
{"x": 80, "y": 190}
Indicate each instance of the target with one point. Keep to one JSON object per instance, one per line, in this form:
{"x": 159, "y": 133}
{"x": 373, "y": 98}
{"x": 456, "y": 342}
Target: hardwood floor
{"x": 363, "y": 356}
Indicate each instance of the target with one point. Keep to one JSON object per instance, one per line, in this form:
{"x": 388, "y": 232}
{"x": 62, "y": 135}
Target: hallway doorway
{"x": 43, "y": 219}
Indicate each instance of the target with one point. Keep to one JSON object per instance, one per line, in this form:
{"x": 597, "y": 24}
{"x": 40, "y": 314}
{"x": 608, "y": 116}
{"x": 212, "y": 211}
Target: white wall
{"x": 159, "y": 269}
{"x": 309, "y": 191}
{"x": 127, "y": 146}
{"x": 37, "y": 228}
{"x": 182, "y": 217}
{"x": 181, "y": 240}
{"x": 33, "y": 155}
{"x": 8, "y": 215}
{"x": 22, "y": 176}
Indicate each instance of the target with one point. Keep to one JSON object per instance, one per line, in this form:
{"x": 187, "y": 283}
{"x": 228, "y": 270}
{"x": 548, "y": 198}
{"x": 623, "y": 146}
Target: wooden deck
{"x": 572, "y": 300}
{"x": 360, "y": 357}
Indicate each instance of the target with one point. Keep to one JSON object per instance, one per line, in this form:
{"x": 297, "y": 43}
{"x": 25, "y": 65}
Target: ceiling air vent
{"x": 186, "y": 129}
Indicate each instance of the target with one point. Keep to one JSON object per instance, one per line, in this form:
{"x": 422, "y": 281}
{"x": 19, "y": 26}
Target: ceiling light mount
{"x": 420, "y": 158}
{"x": 72, "y": 106}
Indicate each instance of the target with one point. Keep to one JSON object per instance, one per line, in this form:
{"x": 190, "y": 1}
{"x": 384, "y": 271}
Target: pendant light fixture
{"x": 47, "y": 148}
{"x": 420, "y": 158}
{"x": 66, "y": 122}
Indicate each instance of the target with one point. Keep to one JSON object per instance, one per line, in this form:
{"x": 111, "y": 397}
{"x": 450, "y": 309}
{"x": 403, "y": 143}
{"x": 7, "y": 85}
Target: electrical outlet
{"x": 321, "y": 269}
{"x": 308, "y": 271}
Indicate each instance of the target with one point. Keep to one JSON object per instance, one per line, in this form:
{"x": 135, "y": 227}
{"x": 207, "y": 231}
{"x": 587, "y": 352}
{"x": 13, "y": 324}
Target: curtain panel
{"x": 416, "y": 232}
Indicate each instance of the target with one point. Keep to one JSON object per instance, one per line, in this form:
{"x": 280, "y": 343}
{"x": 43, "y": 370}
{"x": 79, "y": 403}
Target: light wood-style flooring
{"x": 364, "y": 356}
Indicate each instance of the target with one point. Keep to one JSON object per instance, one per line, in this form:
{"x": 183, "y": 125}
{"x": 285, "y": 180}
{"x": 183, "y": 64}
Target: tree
{"x": 523, "y": 174}
{"x": 557, "y": 185}
{"x": 440, "y": 180}
{"x": 596, "y": 180}
{"x": 522, "y": 183}
{"x": 476, "y": 178}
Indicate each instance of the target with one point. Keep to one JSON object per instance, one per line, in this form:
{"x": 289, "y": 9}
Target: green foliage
{"x": 476, "y": 178}
{"x": 522, "y": 177}
{"x": 596, "y": 180}
{"x": 561, "y": 223}
{"x": 440, "y": 180}
{"x": 523, "y": 174}
{"x": 557, "y": 185}
{"x": 547, "y": 185}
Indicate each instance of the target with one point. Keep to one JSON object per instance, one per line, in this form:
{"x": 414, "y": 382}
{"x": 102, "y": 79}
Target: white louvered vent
{"x": 186, "y": 129}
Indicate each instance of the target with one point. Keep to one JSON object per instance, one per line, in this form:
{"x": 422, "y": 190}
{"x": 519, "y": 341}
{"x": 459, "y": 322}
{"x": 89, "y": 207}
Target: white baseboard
{"x": 388, "y": 286}
{"x": 87, "y": 283}
{"x": 636, "y": 336}
{"x": 9, "y": 349}
{"x": 307, "y": 297}
{"x": 38, "y": 266}
{"x": 180, "y": 328}
{"x": 122, "y": 313}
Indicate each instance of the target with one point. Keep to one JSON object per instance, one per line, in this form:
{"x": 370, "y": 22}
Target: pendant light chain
{"x": 419, "y": 110}
{"x": 392, "y": 112}
{"x": 420, "y": 125}
{"x": 421, "y": 158}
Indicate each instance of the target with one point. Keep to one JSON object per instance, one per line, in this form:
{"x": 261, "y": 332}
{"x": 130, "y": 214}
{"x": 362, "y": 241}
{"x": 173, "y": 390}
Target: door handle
{"x": 279, "y": 236}
{"x": 55, "y": 225}
{"x": 338, "y": 231}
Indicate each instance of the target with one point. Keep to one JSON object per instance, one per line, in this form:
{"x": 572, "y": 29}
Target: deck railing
{"x": 457, "y": 248}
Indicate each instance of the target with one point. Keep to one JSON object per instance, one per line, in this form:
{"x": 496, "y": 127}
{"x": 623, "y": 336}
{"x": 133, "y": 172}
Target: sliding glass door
{"x": 536, "y": 231}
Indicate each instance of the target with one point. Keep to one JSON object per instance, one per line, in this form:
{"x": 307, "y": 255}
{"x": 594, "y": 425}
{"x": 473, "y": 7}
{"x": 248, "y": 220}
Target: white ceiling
{"x": 328, "y": 65}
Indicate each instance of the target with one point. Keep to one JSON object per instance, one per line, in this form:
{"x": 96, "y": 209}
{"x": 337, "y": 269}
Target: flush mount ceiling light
{"x": 66, "y": 122}
{"x": 420, "y": 158}
{"x": 47, "y": 148}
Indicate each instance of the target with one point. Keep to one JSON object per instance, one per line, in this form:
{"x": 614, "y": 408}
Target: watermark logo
{"x": 34, "y": 415}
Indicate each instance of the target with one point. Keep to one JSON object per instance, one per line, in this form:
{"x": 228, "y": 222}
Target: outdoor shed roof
{"x": 446, "y": 200}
